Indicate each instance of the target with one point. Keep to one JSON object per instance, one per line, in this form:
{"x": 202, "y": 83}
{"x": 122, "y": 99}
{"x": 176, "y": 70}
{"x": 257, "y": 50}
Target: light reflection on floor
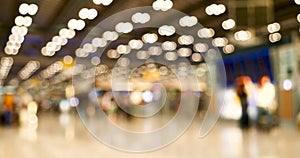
{"x": 58, "y": 138}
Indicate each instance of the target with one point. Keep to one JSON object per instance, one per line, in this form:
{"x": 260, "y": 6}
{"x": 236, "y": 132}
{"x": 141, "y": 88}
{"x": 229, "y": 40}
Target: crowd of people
{"x": 262, "y": 97}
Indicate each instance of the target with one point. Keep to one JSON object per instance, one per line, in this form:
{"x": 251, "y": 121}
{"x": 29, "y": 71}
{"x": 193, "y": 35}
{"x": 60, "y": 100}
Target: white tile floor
{"x": 226, "y": 141}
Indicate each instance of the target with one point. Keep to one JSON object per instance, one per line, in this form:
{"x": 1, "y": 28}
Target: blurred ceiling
{"x": 55, "y": 14}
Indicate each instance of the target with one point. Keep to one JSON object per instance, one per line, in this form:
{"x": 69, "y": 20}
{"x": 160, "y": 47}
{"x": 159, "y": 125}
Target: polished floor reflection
{"x": 65, "y": 136}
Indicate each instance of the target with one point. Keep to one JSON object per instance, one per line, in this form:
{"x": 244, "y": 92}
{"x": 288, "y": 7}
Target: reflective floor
{"x": 60, "y": 136}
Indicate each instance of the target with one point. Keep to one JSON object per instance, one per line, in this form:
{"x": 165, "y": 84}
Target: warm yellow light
{"x": 70, "y": 91}
{"x": 136, "y": 97}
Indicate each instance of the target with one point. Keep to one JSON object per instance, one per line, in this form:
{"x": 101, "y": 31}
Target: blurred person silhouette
{"x": 265, "y": 96}
{"x": 241, "y": 92}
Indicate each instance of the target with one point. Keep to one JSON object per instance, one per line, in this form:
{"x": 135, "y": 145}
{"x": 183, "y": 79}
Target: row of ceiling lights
{"x": 147, "y": 38}
{"x": 29, "y": 69}
{"x": 58, "y": 67}
{"x": 273, "y": 29}
{"x": 19, "y": 31}
{"x": 244, "y": 35}
{"x": 151, "y": 38}
{"x": 92, "y": 13}
{"x": 85, "y": 13}
{"x": 218, "y": 9}
{"x": 241, "y": 35}
{"x": 66, "y": 34}
{"x": 165, "y": 30}
{"x": 5, "y": 66}
{"x": 51, "y": 70}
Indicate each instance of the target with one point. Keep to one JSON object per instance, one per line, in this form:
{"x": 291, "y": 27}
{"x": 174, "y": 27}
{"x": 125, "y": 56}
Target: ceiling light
{"x": 140, "y": 18}
{"x": 275, "y": 37}
{"x": 206, "y": 33}
{"x": 68, "y": 59}
{"x": 200, "y": 47}
{"x": 76, "y": 24}
{"x": 51, "y": 46}
{"x": 135, "y": 44}
{"x": 228, "y": 49}
{"x": 7, "y": 61}
{"x": 70, "y": 34}
{"x": 99, "y": 42}
{"x": 188, "y": 21}
{"x": 169, "y": 46}
{"x": 185, "y": 39}
{"x": 72, "y": 24}
{"x": 196, "y": 57}
{"x": 57, "y": 40}
{"x": 104, "y": 2}
{"x": 113, "y": 54}
{"x": 81, "y": 53}
{"x": 92, "y": 14}
{"x": 171, "y": 56}
{"x": 23, "y": 30}
{"x": 88, "y": 47}
{"x": 19, "y": 20}
{"x": 110, "y": 35}
{"x": 32, "y": 9}
{"x": 9, "y": 51}
{"x": 63, "y": 32}
{"x": 123, "y": 49}
{"x": 13, "y": 45}
{"x": 124, "y": 62}
{"x": 142, "y": 55}
{"x": 28, "y": 9}
{"x": 215, "y": 9}
{"x": 16, "y": 38}
{"x": 242, "y": 35}
{"x": 274, "y": 27}
{"x": 80, "y": 25}
{"x": 32, "y": 65}
{"x": 150, "y": 38}
{"x": 162, "y": 5}
{"x": 95, "y": 60}
{"x": 184, "y": 52}
{"x": 64, "y": 41}
{"x": 23, "y": 8}
{"x": 155, "y": 50}
{"x": 29, "y": 69}
{"x": 219, "y": 42}
{"x": 124, "y": 27}
{"x": 228, "y": 24}
{"x": 17, "y": 30}
{"x": 83, "y": 13}
{"x": 46, "y": 52}
{"x": 27, "y": 21}
{"x": 166, "y": 30}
